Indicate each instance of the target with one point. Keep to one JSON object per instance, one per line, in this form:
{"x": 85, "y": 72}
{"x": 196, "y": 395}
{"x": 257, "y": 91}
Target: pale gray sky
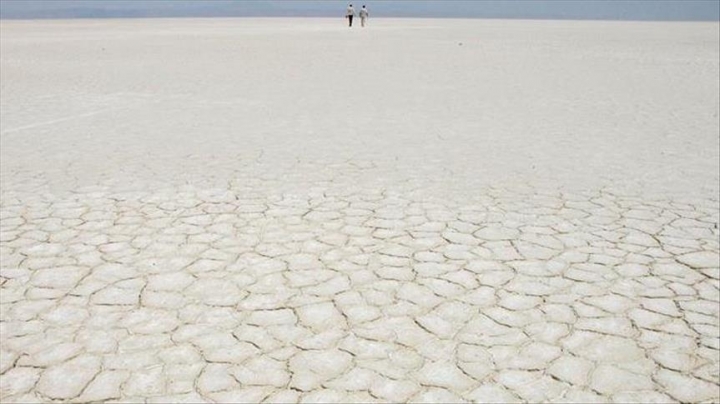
{"x": 705, "y": 10}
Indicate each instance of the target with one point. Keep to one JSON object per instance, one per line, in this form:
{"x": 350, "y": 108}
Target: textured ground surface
{"x": 229, "y": 210}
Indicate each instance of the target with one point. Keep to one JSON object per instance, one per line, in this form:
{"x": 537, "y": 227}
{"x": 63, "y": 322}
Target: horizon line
{"x": 559, "y": 18}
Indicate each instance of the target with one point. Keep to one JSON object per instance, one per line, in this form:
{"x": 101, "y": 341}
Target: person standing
{"x": 349, "y": 14}
{"x": 363, "y": 15}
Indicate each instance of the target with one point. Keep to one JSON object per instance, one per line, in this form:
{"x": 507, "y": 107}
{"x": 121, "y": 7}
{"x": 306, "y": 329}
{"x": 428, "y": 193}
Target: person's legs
{"x": 362, "y": 21}
{"x": 350, "y": 19}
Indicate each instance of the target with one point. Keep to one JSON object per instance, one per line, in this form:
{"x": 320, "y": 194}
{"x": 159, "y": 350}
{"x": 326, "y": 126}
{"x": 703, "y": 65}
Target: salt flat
{"x": 422, "y": 210}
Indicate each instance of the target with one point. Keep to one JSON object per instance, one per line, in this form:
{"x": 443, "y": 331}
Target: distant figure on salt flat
{"x": 349, "y": 14}
{"x": 363, "y": 15}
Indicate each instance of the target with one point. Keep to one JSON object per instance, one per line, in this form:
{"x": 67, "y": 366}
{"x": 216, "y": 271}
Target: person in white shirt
{"x": 363, "y": 15}
{"x": 349, "y": 14}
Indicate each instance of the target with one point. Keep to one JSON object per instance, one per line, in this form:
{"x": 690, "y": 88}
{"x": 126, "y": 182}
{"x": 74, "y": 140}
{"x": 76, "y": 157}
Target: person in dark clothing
{"x": 349, "y": 14}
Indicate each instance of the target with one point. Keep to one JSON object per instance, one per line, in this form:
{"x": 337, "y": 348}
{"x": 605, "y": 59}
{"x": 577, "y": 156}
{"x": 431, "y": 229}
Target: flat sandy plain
{"x": 423, "y": 210}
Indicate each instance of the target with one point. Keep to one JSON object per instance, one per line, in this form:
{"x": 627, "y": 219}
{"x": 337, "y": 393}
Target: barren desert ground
{"x": 282, "y": 210}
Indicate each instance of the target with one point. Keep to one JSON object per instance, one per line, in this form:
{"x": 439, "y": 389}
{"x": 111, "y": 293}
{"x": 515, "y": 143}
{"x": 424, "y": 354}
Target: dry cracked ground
{"x": 359, "y": 298}
{"x": 238, "y": 264}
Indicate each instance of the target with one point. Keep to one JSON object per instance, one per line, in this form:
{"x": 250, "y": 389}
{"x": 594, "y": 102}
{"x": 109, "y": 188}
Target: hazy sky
{"x": 708, "y": 10}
